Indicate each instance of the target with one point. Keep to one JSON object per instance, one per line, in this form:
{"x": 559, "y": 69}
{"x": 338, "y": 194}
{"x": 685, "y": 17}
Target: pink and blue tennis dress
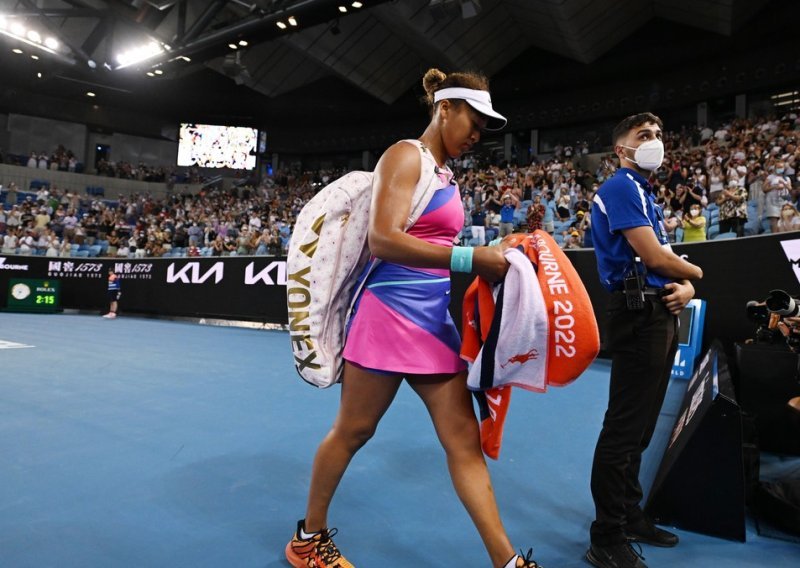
{"x": 401, "y": 323}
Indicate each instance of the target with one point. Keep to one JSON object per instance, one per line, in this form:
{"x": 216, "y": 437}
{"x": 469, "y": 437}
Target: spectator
{"x": 11, "y": 196}
{"x": 716, "y": 183}
{"x": 776, "y": 192}
{"x": 65, "y": 248}
{"x": 27, "y": 245}
{"x": 507, "y": 216}
{"x": 10, "y": 241}
{"x": 790, "y": 219}
{"x": 548, "y": 222}
{"x": 733, "y": 209}
{"x": 585, "y": 227}
{"x": 573, "y": 240}
{"x": 479, "y": 225}
{"x": 535, "y": 214}
{"x": 492, "y": 225}
{"x": 694, "y": 225}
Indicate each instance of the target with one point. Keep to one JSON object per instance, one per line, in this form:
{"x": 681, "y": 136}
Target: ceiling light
{"x": 243, "y": 43}
{"x": 35, "y": 57}
{"x": 51, "y": 42}
{"x": 159, "y": 72}
{"x": 151, "y": 74}
{"x": 343, "y": 9}
{"x": 281, "y": 25}
{"x": 356, "y": 4}
{"x": 39, "y": 75}
{"x": 90, "y": 94}
{"x": 186, "y": 59}
{"x": 139, "y": 54}
{"x": 18, "y": 29}
{"x": 16, "y": 50}
{"x": 34, "y": 36}
{"x": 292, "y": 21}
{"x": 233, "y": 46}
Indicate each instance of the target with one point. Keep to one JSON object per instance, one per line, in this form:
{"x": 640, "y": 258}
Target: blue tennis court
{"x": 139, "y": 442}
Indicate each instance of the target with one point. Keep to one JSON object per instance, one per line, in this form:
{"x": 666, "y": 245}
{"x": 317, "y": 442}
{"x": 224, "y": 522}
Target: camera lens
{"x": 782, "y": 303}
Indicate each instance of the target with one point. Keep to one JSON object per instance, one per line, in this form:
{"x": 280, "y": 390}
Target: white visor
{"x": 481, "y": 101}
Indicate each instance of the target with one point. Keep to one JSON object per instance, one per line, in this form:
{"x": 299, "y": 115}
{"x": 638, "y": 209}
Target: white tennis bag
{"x": 327, "y": 252}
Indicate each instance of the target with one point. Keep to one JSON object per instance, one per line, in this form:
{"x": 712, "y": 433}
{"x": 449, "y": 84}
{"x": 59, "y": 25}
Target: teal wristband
{"x": 461, "y": 259}
{"x": 495, "y": 242}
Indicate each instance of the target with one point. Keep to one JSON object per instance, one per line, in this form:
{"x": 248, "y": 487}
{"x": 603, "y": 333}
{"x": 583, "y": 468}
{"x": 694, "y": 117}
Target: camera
{"x": 769, "y": 314}
{"x": 779, "y": 302}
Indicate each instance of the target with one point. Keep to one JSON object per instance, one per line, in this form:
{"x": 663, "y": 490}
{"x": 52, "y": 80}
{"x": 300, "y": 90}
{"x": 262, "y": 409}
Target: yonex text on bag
{"x": 327, "y": 252}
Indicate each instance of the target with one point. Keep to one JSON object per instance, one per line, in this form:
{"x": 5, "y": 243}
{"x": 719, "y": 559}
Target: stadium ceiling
{"x": 248, "y": 59}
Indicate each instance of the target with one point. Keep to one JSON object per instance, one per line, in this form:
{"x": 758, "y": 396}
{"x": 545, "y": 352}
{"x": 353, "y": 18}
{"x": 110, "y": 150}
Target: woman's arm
{"x": 396, "y": 177}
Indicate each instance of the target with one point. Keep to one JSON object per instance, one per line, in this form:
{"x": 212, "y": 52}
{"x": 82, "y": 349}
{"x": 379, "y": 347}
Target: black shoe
{"x": 645, "y": 532}
{"x": 615, "y": 556}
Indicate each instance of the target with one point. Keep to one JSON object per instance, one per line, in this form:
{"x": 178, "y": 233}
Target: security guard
{"x": 649, "y": 286}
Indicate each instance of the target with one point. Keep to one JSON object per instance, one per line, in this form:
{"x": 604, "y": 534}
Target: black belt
{"x": 654, "y": 291}
{"x": 658, "y": 292}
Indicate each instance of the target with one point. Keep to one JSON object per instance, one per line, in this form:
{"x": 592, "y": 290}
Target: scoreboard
{"x": 32, "y": 295}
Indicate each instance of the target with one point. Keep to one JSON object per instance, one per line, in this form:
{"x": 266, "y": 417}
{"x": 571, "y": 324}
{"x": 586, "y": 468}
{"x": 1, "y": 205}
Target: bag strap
{"x": 423, "y": 194}
{"x": 422, "y": 197}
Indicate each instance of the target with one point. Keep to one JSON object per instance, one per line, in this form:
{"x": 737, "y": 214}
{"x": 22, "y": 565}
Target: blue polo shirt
{"x": 549, "y": 210}
{"x": 624, "y": 201}
{"x": 507, "y": 214}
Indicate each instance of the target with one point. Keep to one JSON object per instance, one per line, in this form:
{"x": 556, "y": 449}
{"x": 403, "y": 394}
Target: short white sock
{"x": 513, "y": 562}
{"x": 305, "y": 536}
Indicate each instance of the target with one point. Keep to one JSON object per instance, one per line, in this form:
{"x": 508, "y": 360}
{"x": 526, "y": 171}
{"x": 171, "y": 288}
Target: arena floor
{"x": 138, "y": 442}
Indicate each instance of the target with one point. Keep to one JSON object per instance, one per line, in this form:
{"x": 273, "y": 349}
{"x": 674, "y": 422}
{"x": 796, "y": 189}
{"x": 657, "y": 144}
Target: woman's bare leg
{"x": 365, "y": 398}
{"x": 450, "y": 405}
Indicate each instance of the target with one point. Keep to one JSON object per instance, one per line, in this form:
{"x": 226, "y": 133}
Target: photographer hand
{"x": 679, "y": 295}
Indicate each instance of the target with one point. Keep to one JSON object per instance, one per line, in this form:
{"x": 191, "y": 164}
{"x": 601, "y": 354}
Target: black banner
{"x": 239, "y": 288}
{"x": 253, "y": 288}
{"x": 700, "y": 484}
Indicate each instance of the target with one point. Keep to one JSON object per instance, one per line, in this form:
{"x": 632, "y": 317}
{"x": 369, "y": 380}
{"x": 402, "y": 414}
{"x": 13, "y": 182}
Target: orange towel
{"x": 573, "y": 339}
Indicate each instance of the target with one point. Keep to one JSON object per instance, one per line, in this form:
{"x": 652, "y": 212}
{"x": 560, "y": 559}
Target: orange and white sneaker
{"x": 315, "y": 552}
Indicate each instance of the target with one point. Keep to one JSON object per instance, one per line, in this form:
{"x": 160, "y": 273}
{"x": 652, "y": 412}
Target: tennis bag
{"x": 327, "y": 253}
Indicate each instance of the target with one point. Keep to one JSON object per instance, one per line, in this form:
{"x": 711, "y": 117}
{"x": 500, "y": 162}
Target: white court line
{"x": 12, "y": 345}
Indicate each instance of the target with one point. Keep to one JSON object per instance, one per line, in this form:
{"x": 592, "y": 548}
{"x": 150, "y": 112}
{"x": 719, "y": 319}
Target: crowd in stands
{"x": 64, "y": 160}
{"x": 60, "y": 159}
{"x": 245, "y": 221}
{"x": 738, "y": 180}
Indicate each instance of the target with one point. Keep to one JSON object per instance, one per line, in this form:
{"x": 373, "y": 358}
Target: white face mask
{"x": 648, "y": 155}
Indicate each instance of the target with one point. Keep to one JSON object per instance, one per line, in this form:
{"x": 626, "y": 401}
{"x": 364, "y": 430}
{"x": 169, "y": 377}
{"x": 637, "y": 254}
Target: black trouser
{"x": 642, "y": 345}
{"x": 732, "y": 225}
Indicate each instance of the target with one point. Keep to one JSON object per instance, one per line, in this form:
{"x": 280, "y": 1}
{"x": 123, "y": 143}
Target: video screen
{"x": 213, "y": 146}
